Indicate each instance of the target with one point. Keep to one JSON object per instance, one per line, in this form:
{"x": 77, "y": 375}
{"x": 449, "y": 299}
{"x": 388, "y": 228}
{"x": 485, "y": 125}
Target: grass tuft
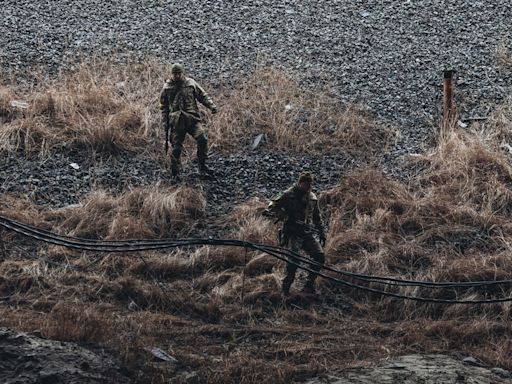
{"x": 272, "y": 103}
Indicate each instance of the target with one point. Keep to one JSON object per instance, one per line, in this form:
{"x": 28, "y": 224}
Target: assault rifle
{"x": 281, "y": 216}
{"x": 299, "y": 225}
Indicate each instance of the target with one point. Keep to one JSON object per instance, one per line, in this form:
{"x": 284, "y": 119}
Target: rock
{"x": 471, "y": 361}
{"x": 461, "y": 124}
{"x": 359, "y": 51}
{"x": 387, "y": 58}
{"x": 161, "y": 355}
{"x": 257, "y": 141}
{"x": 19, "y": 104}
{"x": 502, "y": 372}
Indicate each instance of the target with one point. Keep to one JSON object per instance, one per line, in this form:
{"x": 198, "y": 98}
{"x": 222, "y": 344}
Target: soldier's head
{"x": 177, "y": 72}
{"x": 305, "y": 181}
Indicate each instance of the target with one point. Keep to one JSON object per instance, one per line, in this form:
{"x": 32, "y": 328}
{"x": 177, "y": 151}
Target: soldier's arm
{"x": 277, "y": 206}
{"x": 164, "y": 102}
{"x": 204, "y": 98}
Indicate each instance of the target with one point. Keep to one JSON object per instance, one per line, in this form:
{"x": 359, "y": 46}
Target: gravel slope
{"x": 56, "y": 183}
{"x": 388, "y": 55}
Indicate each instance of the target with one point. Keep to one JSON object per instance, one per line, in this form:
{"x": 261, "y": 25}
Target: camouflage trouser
{"x": 194, "y": 129}
{"x": 307, "y": 242}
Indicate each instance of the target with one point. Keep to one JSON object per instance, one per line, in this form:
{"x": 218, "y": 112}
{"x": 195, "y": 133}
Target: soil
{"x": 424, "y": 369}
{"x": 27, "y": 359}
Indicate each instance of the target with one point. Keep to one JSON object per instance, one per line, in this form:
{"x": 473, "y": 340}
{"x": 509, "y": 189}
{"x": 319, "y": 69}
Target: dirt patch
{"x": 428, "y": 369}
{"x": 29, "y": 359}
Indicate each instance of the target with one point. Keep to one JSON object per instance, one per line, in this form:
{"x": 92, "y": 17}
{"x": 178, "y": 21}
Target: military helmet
{"x": 307, "y": 177}
{"x": 177, "y": 68}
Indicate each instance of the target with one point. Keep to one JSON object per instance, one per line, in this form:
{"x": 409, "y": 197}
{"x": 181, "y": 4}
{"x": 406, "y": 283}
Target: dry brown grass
{"x": 201, "y": 318}
{"x": 450, "y": 224}
{"x": 247, "y": 222}
{"x": 501, "y": 122}
{"x": 271, "y": 102}
{"x": 61, "y": 322}
{"x": 6, "y": 97}
{"x": 139, "y": 213}
{"x": 23, "y": 210}
{"x": 102, "y": 107}
{"x": 218, "y": 309}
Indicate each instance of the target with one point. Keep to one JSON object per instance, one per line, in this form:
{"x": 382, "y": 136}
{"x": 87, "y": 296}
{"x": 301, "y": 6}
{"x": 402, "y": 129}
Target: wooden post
{"x": 243, "y": 274}
{"x": 449, "y": 108}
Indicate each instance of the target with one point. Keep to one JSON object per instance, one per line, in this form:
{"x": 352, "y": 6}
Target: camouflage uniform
{"x": 179, "y": 100}
{"x": 299, "y": 209}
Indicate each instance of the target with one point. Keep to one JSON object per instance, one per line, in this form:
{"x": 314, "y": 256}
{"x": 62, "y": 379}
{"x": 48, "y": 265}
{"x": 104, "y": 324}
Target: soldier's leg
{"x": 314, "y": 250}
{"x": 293, "y": 245}
{"x": 202, "y": 147}
{"x": 178, "y": 137}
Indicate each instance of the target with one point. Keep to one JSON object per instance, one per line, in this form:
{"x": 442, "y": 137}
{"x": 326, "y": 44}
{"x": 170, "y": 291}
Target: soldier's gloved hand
{"x": 322, "y": 239}
{"x": 215, "y": 110}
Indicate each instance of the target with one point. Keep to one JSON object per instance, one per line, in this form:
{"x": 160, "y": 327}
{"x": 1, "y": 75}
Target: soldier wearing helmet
{"x": 298, "y": 208}
{"x": 178, "y": 101}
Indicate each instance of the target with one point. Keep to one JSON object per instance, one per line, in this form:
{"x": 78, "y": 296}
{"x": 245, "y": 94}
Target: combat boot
{"x": 204, "y": 170}
{"x": 175, "y": 173}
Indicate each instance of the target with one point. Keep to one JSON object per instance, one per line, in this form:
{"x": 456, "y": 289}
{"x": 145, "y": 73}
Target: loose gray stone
{"x": 501, "y": 372}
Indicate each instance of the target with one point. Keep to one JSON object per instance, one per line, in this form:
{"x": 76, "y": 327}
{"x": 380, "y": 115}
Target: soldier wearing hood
{"x": 178, "y": 102}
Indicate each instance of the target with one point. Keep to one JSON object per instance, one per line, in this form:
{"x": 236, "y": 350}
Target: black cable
{"x": 271, "y": 250}
{"x": 390, "y": 280}
{"x": 395, "y": 295}
{"x": 134, "y": 245}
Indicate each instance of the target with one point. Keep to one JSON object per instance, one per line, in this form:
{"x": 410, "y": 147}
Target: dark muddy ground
{"x": 27, "y": 359}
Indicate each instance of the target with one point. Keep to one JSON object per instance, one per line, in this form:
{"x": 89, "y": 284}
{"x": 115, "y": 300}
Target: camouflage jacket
{"x": 298, "y": 208}
{"x": 179, "y": 98}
